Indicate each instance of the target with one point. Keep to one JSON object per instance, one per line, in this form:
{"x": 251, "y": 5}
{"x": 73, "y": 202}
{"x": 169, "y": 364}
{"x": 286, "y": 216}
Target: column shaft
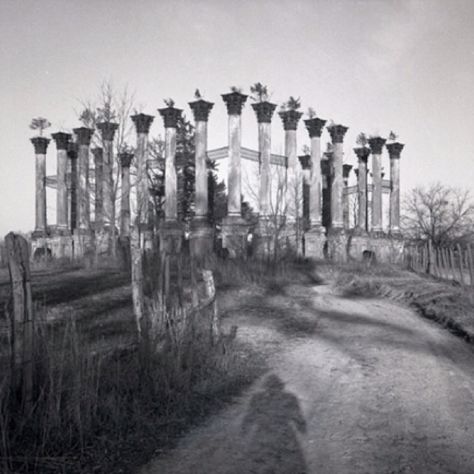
{"x": 264, "y": 147}
{"x": 40, "y": 221}
{"x": 73, "y": 200}
{"x": 142, "y": 177}
{"x": 61, "y": 189}
{"x": 377, "y": 192}
{"x": 201, "y": 191}
{"x": 125, "y": 203}
{"x": 316, "y": 184}
{"x": 99, "y": 184}
{"x": 337, "y": 187}
{"x": 293, "y": 178}
{"x": 234, "y": 171}
{"x": 83, "y": 204}
{"x": 362, "y": 195}
{"x": 171, "y": 201}
{"x": 395, "y": 195}
{"x": 108, "y": 187}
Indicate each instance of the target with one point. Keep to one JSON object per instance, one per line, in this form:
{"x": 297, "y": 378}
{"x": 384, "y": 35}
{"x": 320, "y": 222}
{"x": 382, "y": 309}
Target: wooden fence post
{"x": 470, "y": 264}
{"x": 461, "y": 266}
{"x": 22, "y": 318}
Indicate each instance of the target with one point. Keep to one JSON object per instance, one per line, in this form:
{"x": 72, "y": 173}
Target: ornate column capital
{"x": 376, "y": 144}
{"x": 264, "y": 111}
{"x": 142, "y": 122}
{"x": 125, "y": 159}
{"x": 362, "y": 153}
{"x": 61, "y": 139}
{"x": 170, "y": 116}
{"x": 84, "y": 135}
{"x": 305, "y": 161}
{"x": 346, "y": 169}
{"x": 234, "y": 102}
{"x": 290, "y": 119}
{"x": 201, "y": 109}
{"x": 315, "y": 126}
{"x": 394, "y": 149}
{"x": 40, "y": 144}
{"x": 337, "y": 132}
{"x": 107, "y": 129}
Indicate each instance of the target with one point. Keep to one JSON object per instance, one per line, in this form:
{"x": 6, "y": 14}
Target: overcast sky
{"x": 372, "y": 65}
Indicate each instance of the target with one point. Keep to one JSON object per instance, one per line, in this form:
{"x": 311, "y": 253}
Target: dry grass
{"x": 446, "y": 302}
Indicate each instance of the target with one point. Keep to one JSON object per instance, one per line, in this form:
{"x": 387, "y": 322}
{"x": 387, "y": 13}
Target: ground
{"x": 354, "y": 386}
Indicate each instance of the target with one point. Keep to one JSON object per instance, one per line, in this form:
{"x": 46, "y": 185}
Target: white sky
{"x": 369, "y": 64}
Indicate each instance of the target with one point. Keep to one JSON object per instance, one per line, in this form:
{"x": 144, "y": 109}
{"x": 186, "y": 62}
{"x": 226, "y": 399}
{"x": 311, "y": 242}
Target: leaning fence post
{"x": 461, "y": 267}
{"x": 470, "y": 264}
{"x": 22, "y": 318}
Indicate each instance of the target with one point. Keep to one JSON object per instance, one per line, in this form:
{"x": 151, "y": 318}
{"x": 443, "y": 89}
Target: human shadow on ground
{"x": 271, "y": 425}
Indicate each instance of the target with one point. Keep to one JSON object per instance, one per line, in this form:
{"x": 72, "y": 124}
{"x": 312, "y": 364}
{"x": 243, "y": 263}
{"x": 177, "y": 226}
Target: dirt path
{"x": 355, "y": 386}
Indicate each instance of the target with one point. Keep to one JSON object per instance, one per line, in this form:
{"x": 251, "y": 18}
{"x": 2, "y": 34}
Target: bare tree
{"x": 40, "y": 124}
{"x": 438, "y": 213}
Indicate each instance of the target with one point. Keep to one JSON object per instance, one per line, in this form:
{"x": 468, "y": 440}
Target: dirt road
{"x": 355, "y": 386}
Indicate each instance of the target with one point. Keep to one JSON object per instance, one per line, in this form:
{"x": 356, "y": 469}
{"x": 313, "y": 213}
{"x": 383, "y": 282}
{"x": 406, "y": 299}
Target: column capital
{"x": 394, "y": 149}
{"x": 234, "y": 102}
{"x": 362, "y": 153}
{"x": 314, "y": 126}
{"x": 84, "y": 135}
{"x": 107, "y": 129}
{"x": 290, "y": 119}
{"x": 125, "y": 159}
{"x": 346, "y": 169}
{"x": 61, "y": 139}
{"x": 170, "y": 116}
{"x": 142, "y": 122}
{"x": 40, "y": 144}
{"x": 201, "y": 109}
{"x": 337, "y": 132}
{"x": 376, "y": 144}
{"x": 305, "y": 161}
{"x": 264, "y": 111}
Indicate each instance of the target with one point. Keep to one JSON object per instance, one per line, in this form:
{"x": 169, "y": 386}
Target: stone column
{"x": 264, "y": 111}
{"x": 315, "y": 127}
{"x": 142, "y": 124}
{"x": 337, "y": 241}
{"x": 201, "y": 110}
{"x": 125, "y": 162}
{"x": 41, "y": 145}
{"x": 346, "y": 169}
{"x": 337, "y": 133}
{"x": 72, "y": 155}
{"x": 62, "y": 140}
{"x": 234, "y": 227}
{"x": 84, "y": 136}
{"x": 170, "y": 116}
{"x": 99, "y": 184}
{"x": 305, "y": 162}
{"x": 234, "y": 102}
{"x": 394, "y": 151}
{"x": 201, "y": 233}
{"x": 376, "y": 144}
{"x": 362, "y": 215}
{"x": 107, "y": 130}
{"x": 290, "y": 119}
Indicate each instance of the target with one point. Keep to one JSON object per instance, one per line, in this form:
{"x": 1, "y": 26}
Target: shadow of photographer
{"x": 271, "y": 424}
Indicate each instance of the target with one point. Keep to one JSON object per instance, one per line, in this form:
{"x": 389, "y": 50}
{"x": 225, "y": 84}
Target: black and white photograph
{"x": 237, "y": 237}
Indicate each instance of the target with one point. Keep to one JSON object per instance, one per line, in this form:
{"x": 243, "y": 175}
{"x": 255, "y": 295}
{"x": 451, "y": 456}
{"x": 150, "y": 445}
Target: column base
{"x": 376, "y": 247}
{"x": 234, "y": 236}
{"x": 315, "y": 240}
{"x": 171, "y": 237}
{"x": 201, "y": 240}
{"x": 337, "y": 245}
